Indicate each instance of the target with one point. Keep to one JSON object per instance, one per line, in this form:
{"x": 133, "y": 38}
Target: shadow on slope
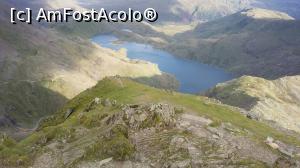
{"x": 24, "y": 103}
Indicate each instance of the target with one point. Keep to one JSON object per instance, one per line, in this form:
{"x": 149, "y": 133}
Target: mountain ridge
{"x": 259, "y": 13}
{"x": 276, "y": 101}
{"x": 121, "y": 122}
{"x": 242, "y": 45}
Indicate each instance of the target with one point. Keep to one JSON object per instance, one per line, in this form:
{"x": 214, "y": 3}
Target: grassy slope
{"x": 136, "y": 93}
{"x": 126, "y": 91}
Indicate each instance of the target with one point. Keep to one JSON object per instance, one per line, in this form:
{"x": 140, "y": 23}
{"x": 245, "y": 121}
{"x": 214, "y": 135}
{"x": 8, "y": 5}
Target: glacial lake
{"x": 194, "y": 77}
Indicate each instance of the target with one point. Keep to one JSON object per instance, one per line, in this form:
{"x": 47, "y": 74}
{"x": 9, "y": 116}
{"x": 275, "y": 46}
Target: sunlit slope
{"x": 276, "y": 100}
{"x": 65, "y": 64}
{"x": 175, "y": 10}
{"x": 189, "y": 10}
{"x": 119, "y": 120}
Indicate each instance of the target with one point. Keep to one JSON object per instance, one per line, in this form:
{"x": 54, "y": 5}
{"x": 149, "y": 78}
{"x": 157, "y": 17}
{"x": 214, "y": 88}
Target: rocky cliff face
{"x": 277, "y": 101}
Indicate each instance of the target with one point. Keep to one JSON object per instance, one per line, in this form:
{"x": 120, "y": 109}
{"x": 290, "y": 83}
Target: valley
{"x": 252, "y": 42}
{"x": 62, "y": 65}
{"x": 212, "y": 83}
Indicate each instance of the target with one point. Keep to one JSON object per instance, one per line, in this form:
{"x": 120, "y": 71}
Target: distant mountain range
{"x": 256, "y": 42}
{"x": 204, "y": 10}
{"x": 175, "y": 10}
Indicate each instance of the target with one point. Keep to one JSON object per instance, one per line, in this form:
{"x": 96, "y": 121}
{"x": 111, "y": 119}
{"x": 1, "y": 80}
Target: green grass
{"x": 126, "y": 91}
{"x": 116, "y": 145}
{"x": 133, "y": 93}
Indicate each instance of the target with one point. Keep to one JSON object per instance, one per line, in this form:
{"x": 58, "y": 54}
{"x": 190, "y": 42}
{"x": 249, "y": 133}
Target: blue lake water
{"x": 194, "y": 77}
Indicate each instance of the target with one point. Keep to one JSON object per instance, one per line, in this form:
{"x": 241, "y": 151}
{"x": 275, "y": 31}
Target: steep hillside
{"x": 34, "y": 103}
{"x": 189, "y": 10}
{"x": 277, "y": 101}
{"x": 208, "y": 10}
{"x": 64, "y": 64}
{"x": 255, "y": 42}
{"x": 176, "y": 10}
{"x": 122, "y": 123}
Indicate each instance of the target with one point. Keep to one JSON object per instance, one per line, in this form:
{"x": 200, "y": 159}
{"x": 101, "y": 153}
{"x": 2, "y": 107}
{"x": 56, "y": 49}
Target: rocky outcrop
{"x": 154, "y": 115}
{"x": 109, "y": 126}
{"x": 156, "y": 135}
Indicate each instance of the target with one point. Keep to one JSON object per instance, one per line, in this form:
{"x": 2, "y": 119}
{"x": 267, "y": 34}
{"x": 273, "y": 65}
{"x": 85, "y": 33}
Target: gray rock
{"x": 107, "y": 103}
{"x": 286, "y": 149}
{"x": 105, "y": 161}
{"x": 181, "y": 164}
{"x": 252, "y": 116}
{"x": 92, "y": 104}
{"x": 269, "y": 140}
{"x": 114, "y": 102}
{"x": 145, "y": 116}
{"x": 97, "y": 100}
{"x": 179, "y": 142}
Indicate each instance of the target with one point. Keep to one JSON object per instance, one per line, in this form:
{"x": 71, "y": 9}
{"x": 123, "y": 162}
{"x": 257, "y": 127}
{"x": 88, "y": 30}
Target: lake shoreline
{"x": 194, "y": 77}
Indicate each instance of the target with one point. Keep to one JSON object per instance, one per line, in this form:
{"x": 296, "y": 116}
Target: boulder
{"x": 97, "y": 100}
{"x": 114, "y": 102}
{"x": 107, "y": 103}
{"x": 270, "y": 141}
{"x": 274, "y": 145}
